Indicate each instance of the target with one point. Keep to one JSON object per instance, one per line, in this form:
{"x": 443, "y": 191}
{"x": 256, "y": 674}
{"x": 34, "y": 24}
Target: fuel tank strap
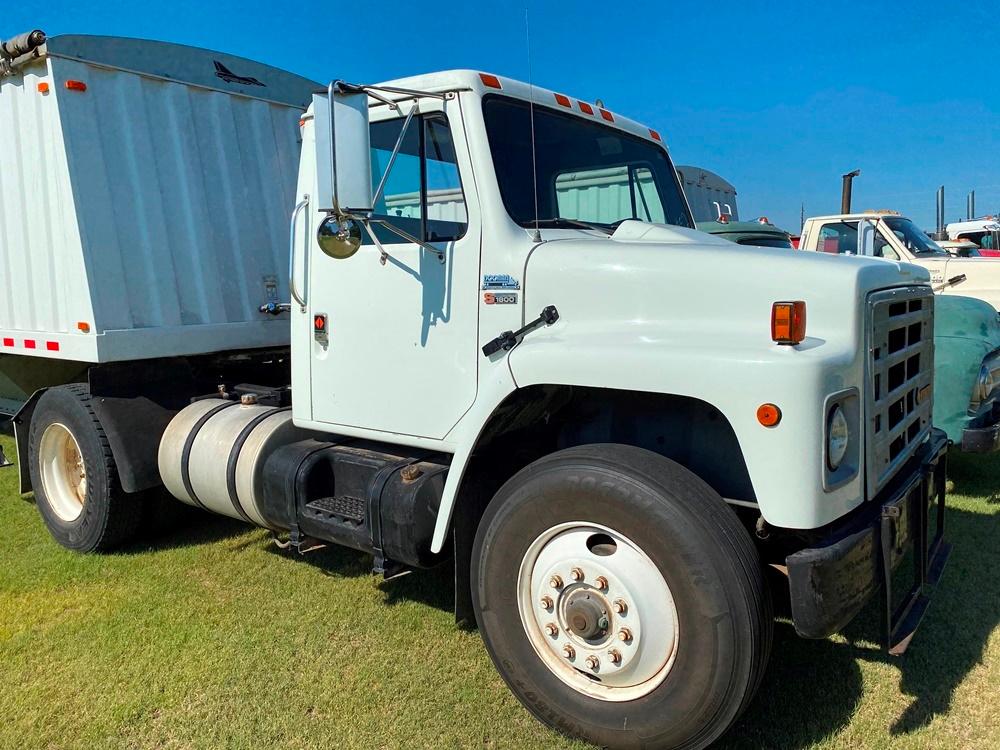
{"x": 234, "y": 457}
{"x": 189, "y": 444}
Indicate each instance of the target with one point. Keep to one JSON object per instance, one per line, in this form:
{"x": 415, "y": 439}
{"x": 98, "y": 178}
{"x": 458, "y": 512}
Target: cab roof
{"x": 488, "y": 83}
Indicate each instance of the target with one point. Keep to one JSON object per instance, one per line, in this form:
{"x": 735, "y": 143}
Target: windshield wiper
{"x": 560, "y": 222}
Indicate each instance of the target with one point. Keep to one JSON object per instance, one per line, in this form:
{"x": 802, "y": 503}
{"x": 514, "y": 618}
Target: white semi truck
{"x": 503, "y": 375}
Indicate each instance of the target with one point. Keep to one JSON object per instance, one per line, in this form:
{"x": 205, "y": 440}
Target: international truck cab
{"x": 499, "y": 361}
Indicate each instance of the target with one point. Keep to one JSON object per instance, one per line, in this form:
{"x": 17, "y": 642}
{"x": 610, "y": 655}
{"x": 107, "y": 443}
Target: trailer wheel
{"x": 621, "y": 599}
{"x": 74, "y": 476}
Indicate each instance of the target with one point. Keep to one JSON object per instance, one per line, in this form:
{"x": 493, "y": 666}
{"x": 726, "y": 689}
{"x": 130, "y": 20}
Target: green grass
{"x": 208, "y": 637}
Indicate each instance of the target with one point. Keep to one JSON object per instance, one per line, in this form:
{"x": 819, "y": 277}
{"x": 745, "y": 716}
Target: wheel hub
{"x": 63, "y": 472}
{"x": 597, "y": 611}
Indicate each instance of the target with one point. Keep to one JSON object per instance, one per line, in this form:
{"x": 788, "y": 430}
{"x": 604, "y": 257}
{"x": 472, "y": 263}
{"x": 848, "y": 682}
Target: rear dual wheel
{"x": 621, "y": 599}
{"x": 74, "y": 476}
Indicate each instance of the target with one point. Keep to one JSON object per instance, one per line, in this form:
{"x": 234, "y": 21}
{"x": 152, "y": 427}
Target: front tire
{"x": 621, "y": 599}
{"x": 74, "y": 476}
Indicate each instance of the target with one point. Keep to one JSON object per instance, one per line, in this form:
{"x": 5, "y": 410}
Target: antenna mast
{"x": 537, "y": 237}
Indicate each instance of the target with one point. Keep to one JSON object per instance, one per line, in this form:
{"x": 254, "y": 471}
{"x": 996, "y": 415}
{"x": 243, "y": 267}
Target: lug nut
{"x": 552, "y": 629}
{"x": 601, "y": 582}
{"x": 576, "y": 574}
{"x": 555, "y": 582}
{"x": 593, "y": 662}
{"x": 615, "y": 655}
{"x": 546, "y": 602}
{"x": 568, "y": 651}
{"x": 625, "y": 635}
{"x": 619, "y": 606}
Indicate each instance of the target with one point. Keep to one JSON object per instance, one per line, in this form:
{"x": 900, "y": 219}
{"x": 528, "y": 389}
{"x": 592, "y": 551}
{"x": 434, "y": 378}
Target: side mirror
{"x": 343, "y": 155}
{"x": 866, "y": 238}
{"x": 338, "y": 237}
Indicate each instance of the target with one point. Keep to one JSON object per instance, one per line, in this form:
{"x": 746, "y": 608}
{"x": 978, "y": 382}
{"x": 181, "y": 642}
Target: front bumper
{"x": 983, "y": 433}
{"x": 831, "y": 582}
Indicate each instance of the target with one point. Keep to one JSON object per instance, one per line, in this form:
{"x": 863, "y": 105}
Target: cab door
{"x": 394, "y": 346}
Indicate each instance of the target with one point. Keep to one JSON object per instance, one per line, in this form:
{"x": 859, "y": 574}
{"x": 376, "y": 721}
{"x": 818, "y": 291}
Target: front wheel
{"x": 621, "y": 599}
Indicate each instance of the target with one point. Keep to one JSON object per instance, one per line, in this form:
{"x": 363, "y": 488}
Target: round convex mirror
{"x": 339, "y": 238}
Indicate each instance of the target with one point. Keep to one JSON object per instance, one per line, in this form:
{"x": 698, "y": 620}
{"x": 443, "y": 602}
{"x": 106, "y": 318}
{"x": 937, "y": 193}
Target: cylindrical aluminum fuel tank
{"x": 212, "y": 454}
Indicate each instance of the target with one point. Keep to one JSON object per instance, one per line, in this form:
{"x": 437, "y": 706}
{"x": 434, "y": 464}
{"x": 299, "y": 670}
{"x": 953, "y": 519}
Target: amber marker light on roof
{"x": 490, "y": 80}
{"x": 788, "y": 322}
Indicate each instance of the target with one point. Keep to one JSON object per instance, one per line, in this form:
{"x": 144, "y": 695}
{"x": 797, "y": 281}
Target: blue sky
{"x": 779, "y": 98}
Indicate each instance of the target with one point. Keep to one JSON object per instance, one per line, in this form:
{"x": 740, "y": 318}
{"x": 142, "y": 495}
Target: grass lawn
{"x": 209, "y": 637}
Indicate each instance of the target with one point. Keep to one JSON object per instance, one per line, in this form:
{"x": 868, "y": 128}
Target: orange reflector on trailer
{"x": 76, "y": 85}
{"x": 490, "y": 80}
{"x": 563, "y": 100}
{"x": 43, "y": 87}
{"x": 83, "y": 327}
{"x": 788, "y": 322}
{"x": 768, "y": 415}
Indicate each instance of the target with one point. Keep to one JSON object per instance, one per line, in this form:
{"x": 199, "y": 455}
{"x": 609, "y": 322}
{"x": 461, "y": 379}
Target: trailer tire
{"x": 74, "y": 475}
{"x": 578, "y": 533}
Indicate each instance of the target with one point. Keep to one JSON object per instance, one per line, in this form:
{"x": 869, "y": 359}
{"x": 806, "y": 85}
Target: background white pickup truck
{"x": 887, "y": 234}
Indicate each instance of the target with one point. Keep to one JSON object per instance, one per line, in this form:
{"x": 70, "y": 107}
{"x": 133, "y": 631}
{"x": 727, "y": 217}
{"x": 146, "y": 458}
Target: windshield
{"x": 587, "y": 173}
{"x": 910, "y": 235}
{"x": 767, "y": 241}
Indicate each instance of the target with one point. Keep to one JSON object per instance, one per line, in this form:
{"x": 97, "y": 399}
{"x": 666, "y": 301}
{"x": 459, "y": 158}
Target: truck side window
{"x": 840, "y": 238}
{"x": 423, "y": 193}
{"x": 882, "y": 247}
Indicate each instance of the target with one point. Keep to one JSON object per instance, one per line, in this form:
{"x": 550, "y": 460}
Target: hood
{"x": 966, "y": 317}
{"x": 665, "y": 277}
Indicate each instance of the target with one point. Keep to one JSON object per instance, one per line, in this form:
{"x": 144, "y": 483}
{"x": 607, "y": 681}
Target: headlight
{"x": 989, "y": 378}
{"x": 837, "y": 437}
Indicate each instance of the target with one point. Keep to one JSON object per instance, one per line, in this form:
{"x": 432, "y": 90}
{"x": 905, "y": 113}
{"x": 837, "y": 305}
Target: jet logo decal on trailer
{"x": 221, "y": 71}
{"x": 500, "y": 281}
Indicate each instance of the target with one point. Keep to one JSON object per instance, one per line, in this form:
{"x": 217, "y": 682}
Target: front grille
{"x": 900, "y": 382}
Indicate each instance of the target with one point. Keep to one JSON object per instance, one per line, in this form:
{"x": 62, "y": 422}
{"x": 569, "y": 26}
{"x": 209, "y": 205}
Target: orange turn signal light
{"x": 43, "y": 87}
{"x": 788, "y": 322}
{"x": 768, "y": 415}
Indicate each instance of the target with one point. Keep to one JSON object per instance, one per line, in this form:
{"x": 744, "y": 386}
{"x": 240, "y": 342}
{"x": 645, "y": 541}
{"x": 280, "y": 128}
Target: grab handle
{"x": 291, "y": 253}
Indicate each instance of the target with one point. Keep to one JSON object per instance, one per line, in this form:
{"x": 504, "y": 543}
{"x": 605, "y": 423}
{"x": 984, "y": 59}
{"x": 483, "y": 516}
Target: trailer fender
{"x": 133, "y": 425}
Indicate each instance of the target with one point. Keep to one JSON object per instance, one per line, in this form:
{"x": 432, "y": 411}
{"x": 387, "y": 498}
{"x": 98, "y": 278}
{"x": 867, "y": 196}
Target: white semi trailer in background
{"x": 520, "y": 381}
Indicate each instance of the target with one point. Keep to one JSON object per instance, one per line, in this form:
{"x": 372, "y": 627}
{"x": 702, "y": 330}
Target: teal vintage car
{"x": 966, "y": 350}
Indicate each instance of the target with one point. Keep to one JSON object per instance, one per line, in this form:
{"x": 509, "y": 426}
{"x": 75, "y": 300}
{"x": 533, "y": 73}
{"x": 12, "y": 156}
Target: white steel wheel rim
{"x": 64, "y": 476}
{"x": 569, "y": 584}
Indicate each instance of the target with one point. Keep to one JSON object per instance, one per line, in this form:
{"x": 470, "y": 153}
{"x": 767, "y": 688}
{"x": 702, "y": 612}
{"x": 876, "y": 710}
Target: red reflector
{"x": 788, "y": 322}
{"x": 8, "y": 342}
{"x": 76, "y": 85}
{"x": 52, "y": 346}
{"x": 319, "y": 322}
{"x": 29, "y": 343}
{"x": 607, "y": 115}
{"x": 586, "y": 108}
{"x": 490, "y": 80}
{"x": 43, "y": 88}
{"x": 563, "y": 100}
{"x": 654, "y": 135}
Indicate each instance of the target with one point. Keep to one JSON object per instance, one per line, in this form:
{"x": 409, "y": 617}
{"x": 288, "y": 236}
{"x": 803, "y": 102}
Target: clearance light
{"x": 607, "y": 115}
{"x": 768, "y": 415}
{"x": 43, "y": 87}
{"x": 654, "y": 135}
{"x": 723, "y": 219}
{"x": 76, "y": 85}
{"x": 563, "y": 100}
{"x": 788, "y": 322}
{"x": 83, "y": 327}
{"x": 763, "y": 220}
{"x": 586, "y": 108}
{"x": 490, "y": 80}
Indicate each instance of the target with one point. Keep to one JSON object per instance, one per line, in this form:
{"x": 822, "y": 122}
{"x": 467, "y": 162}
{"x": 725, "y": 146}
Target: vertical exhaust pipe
{"x": 939, "y": 229}
{"x": 845, "y": 195}
{"x": 970, "y": 206}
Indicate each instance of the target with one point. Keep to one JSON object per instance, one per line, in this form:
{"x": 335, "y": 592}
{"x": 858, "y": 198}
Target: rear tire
{"x": 74, "y": 475}
{"x": 574, "y": 535}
